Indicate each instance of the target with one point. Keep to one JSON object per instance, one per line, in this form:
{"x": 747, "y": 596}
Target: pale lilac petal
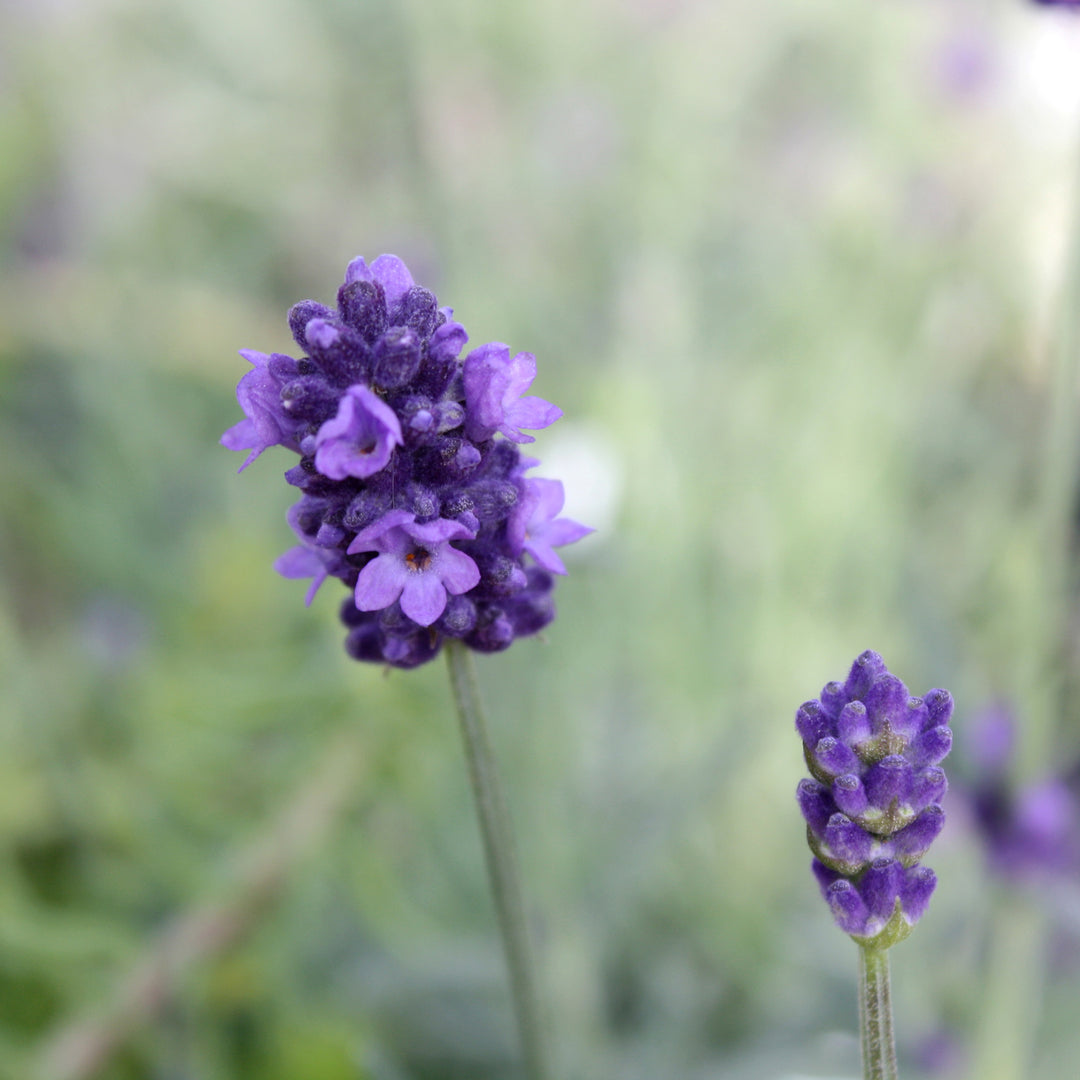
{"x": 240, "y": 436}
{"x": 380, "y": 583}
{"x": 564, "y": 531}
{"x": 392, "y": 274}
{"x": 458, "y": 571}
{"x": 544, "y": 555}
{"x": 532, "y": 413}
{"x": 423, "y": 598}
{"x": 439, "y": 531}
{"x": 302, "y": 562}
{"x": 375, "y": 538}
{"x": 550, "y": 497}
{"x": 357, "y": 270}
{"x": 522, "y": 372}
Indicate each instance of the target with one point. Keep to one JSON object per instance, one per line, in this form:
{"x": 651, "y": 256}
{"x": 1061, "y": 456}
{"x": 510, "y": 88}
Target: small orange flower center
{"x": 418, "y": 560}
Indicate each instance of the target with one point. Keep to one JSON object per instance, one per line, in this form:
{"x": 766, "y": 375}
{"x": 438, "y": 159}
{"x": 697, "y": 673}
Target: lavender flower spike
{"x": 873, "y": 807}
{"x": 412, "y": 485}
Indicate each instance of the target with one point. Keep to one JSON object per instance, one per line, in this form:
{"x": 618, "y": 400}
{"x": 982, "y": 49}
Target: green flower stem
{"x": 495, "y": 829}
{"x": 875, "y": 1015}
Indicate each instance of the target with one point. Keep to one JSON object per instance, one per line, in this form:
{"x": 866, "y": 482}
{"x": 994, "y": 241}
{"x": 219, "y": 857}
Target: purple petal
{"x": 447, "y": 341}
{"x": 458, "y": 571}
{"x": 424, "y": 596}
{"x": 302, "y": 562}
{"x": 380, "y": 583}
{"x": 391, "y": 273}
{"x": 357, "y": 270}
{"x": 545, "y": 556}
{"x": 438, "y": 531}
{"x": 565, "y": 531}
{"x": 373, "y": 538}
{"x": 530, "y": 412}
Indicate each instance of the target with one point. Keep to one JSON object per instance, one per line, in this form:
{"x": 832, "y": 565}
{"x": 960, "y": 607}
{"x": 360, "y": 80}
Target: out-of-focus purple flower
{"x": 266, "y": 421}
{"x": 494, "y": 384}
{"x": 1031, "y": 833}
{"x": 1059, "y": 3}
{"x": 873, "y": 807}
{"x": 413, "y": 487}
{"x": 535, "y": 526}
{"x": 415, "y": 565}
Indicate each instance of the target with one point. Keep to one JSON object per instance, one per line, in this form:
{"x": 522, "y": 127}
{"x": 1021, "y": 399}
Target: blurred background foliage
{"x": 795, "y": 274}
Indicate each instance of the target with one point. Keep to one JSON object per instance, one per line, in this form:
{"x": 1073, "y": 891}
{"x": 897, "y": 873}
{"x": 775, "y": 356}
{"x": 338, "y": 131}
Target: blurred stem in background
{"x": 1012, "y": 1003}
{"x": 875, "y": 1015}
{"x": 494, "y": 818}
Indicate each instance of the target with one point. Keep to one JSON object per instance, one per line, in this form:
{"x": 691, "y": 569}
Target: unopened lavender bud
{"x": 833, "y": 758}
{"x": 863, "y": 672}
{"x": 912, "y": 842}
{"x": 915, "y": 893}
{"x": 888, "y": 782}
{"x": 928, "y": 786}
{"x": 833, "y": 699}
{"x": 850, "y": 795}
{"x": 939, "y": 705}
{"x": 848, "y": 907}
{"x": 811, "y": 723}
{"x": 848, "y": 844}
{"x": 853, "y": 724}
{"x": 886, "y": 702}
{"x": 880, "y": 886}
{"x": 816, "y": 805}
{"x": 301, "y": 314}
{"x": 932, "y": 746}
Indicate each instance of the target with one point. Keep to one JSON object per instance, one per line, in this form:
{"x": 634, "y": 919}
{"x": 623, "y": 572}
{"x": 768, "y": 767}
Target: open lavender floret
{"x": 414, "y": 491}
{"x": 873, "y": 806}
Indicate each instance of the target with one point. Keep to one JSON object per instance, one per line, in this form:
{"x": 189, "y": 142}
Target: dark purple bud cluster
{"x": 873, "y": 806}
{"x": 414, "y": 491}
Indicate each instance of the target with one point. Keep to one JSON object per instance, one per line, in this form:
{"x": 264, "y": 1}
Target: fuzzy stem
{"x": 875, "y": 1015}
{"x": 494, "y": 818}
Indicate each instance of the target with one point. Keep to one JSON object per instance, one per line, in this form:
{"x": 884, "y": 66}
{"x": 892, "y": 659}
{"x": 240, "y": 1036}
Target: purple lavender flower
{"x": 266, "y": 421}
{"x": 1059, "y": 3}
{"x": 493, "y": 387}
{"x": 873, "y": 807}
{"x": 360, "y": 439}
{"x": 415, "y": 565}
{"x": 535, "y": 525}
{"x": 412, "y": 486}
{"x": 1030, "y": 832}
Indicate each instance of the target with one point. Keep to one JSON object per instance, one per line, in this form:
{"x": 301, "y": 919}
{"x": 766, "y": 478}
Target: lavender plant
{"x": 414, "y": 494}
{"x": 872, "y": 810}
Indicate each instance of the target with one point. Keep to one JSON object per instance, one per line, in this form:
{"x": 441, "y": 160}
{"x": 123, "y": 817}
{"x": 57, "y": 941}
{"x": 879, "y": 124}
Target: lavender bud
{"x": 850, "y": 795}
{"x": 853, "y": 725}
{"x": 811, "y": 723}
{"x": 928, "y": 786}
{"x": 888, "y": 782}
{"x": 880, "y": 886}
